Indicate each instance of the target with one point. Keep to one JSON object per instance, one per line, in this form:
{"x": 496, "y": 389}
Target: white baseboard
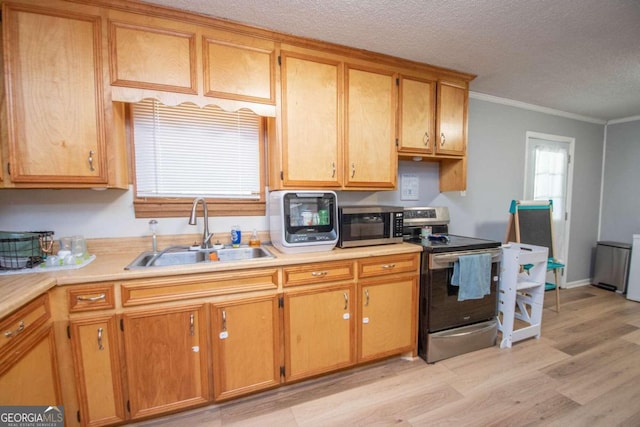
{"x": 576, "y": 284}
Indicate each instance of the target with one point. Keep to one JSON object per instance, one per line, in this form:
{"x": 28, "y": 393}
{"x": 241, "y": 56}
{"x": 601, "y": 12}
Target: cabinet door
{"x": 319, "y": 330}
{"x": 97, "y": 365}
{"x": 371, "y": 159}
{"x": 29, "y": 372}
{"x": 239, "y": 67}
{"x": 452, "y": 119}
{"x": 55, "y": 100}
{"x": 416, "y": 115}
{"x": 160, "y": 58}
{"x": 388, "y": 317}
{"x": 311, "y": 129}
{"x": 166, "y": 359}
{"x": 246, "y": 346}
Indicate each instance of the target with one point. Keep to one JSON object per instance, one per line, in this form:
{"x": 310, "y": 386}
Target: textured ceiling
{"x": 576, "y": 56}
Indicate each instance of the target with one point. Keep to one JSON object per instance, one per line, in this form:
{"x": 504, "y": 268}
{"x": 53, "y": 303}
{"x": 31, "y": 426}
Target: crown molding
{"x": 623, "y": 120}
{"x": 532, "y": 107}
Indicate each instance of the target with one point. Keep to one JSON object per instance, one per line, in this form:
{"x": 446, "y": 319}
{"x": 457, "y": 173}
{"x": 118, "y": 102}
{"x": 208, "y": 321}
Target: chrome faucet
{"x": 206, "y": 236}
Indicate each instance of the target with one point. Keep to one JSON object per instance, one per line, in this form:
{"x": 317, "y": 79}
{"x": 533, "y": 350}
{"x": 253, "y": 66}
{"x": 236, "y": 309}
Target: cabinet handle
{"x": 346, "y": 300}
{"x": 388, "y": 266}
{"x": 333, "y": 169}
{"x": 425, "y": 139}
{"x": 319, "y": 273}
{"x": 192, "y": 327}
{"x": 224, "y": 320}
{"x": 366, "y": 297}
{"x": 442, "y": 139}
{"x": 353, "y": 170}
{"x": 100, "y": 346}
{"x": 91, "y": 299}
{"x": 91, "y": 161}
{"x": 10, "y": 334}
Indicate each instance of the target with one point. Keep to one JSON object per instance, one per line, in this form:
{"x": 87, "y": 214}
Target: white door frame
{"x": 564, "y": 251}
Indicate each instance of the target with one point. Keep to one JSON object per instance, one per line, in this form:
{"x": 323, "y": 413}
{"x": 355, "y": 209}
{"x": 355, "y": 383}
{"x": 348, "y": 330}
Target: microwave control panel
{"x": 398, "y": 223}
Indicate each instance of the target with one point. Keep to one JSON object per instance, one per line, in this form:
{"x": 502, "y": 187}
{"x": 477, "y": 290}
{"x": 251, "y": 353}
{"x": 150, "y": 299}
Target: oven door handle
{"x": 444, "y": 259}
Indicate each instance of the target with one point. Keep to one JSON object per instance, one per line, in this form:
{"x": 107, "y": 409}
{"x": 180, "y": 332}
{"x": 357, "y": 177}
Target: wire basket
{"x": 24, "y": 249}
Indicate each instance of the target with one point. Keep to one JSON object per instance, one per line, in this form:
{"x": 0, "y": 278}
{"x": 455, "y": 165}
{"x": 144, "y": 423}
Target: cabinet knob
{"x": 346, "y": 300}
{"x": 353, "y": 170}
{"x": 425, "y": 138}
{"x": 442, "y": 139}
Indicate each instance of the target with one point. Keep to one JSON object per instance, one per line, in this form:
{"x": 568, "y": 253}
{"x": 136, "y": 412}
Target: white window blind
{"x": 188, "y": 151}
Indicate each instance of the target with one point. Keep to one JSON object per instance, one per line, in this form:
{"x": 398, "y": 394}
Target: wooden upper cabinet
{"x": 176, "y": 61}
{"x": 451, "y": 125}
{"x": 158, "y": 58}
{"x": 371, "y": 160}
{"x": 416, "y": 115}
{"x": 311, "y": 154}
{"x": 239, "y": 67}
{"x": 55, "y": 97}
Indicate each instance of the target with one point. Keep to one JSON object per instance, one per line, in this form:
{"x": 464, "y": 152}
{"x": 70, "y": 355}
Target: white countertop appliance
{"x": 303, "y": 220}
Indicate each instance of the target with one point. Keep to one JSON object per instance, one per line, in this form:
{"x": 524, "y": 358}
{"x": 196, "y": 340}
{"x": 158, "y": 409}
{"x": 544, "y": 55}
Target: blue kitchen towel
{"x": 472, "y": 274}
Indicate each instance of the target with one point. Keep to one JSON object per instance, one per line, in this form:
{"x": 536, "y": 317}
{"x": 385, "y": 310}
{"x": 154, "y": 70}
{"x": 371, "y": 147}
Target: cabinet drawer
{"x": 392, "y": 264}
{"x": 93, "y": 297}
{"x": 310, "y": 274}
{"x": 23, "y": 321}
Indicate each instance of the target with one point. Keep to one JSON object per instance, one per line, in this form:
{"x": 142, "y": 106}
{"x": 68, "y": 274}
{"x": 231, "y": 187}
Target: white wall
{"x": 95, "y": 214}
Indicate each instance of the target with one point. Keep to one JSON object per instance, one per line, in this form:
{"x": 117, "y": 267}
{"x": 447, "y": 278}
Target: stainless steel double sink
{"x": 182, "y": 255}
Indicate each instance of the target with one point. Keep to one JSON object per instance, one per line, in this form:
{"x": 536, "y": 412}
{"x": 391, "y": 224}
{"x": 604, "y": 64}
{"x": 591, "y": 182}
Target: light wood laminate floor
{"x": 583, "y": 371}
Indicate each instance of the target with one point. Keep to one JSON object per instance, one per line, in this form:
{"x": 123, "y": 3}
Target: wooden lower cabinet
{"x": 121, "y": 364}
{"x": 28, "y": 363}
{"x": 319, "y": 327}
{"x": 97, "y": 365}
{"x": 388, "y": 312}
{"x": 246, "y": 346}
{"x": 29, "y": 371}
{"x": 166, "y": 359}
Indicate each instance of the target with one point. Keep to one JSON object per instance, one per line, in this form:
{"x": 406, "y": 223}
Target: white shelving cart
{"x": 522, "y": 280}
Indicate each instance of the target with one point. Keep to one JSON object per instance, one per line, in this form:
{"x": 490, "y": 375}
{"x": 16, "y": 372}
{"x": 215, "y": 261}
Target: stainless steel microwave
{"x": 369, "y": 225}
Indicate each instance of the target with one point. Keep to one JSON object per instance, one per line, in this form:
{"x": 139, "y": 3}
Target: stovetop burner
{"x": 455, "y": 243}
{"x": 436, "y": 221}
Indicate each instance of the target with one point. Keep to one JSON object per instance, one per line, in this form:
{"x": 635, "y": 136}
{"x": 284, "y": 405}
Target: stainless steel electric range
{"x": 448, "y": 327}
